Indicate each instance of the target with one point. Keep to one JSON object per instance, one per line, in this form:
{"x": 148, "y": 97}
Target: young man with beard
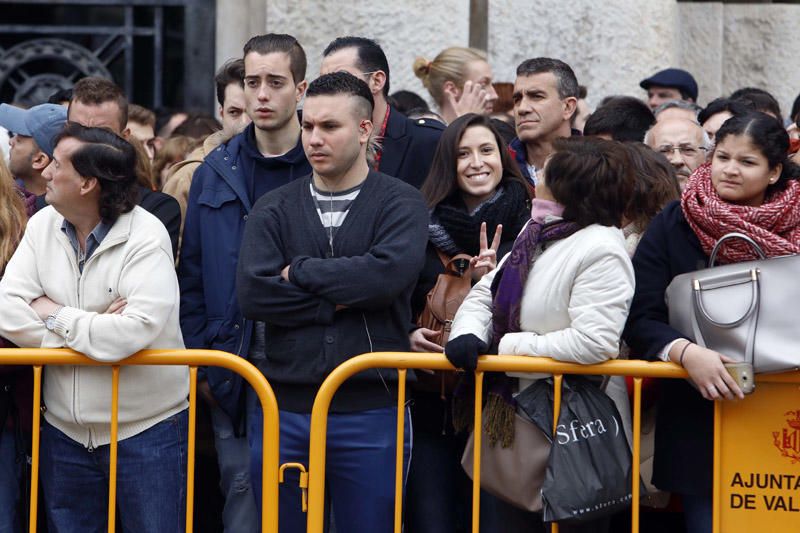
{"x": 328, "y": 265}
{"x": 266, "y": 155}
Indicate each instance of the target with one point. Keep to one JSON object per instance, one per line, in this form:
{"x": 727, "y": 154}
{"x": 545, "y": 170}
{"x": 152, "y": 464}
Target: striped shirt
{"x": 332, "y": 207}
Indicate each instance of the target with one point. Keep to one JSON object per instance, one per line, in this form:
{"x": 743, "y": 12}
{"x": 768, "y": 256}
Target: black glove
{"x": 463, "y": 351}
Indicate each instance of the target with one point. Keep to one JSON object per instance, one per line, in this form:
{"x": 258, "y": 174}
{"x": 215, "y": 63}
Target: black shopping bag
{"x": 589, "y": 471}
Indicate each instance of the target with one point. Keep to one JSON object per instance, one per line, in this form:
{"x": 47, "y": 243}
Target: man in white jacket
{"x": 94, "y": 273}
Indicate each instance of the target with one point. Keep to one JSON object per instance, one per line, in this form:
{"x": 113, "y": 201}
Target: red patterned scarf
{"x": 774, "y": 225}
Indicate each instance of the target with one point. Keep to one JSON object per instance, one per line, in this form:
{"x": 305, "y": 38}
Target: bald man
{"x": 683, "y": 142}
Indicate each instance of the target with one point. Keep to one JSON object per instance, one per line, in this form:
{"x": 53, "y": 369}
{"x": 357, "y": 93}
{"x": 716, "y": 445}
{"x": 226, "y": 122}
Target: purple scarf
{"x": 507, "y": 292}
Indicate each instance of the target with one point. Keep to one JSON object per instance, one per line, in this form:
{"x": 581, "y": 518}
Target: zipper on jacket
{"x": 90, "y": 447}
{"x": 241, "y": 339}
{"x": 75, "y": 368}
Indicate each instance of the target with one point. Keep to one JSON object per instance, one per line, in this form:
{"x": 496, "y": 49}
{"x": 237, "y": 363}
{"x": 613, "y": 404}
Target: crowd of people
{"x": 308, "y": 223}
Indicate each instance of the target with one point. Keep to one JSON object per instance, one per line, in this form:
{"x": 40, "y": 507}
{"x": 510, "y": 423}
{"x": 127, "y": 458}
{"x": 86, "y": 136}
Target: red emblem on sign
{"x": 788, "y": 439}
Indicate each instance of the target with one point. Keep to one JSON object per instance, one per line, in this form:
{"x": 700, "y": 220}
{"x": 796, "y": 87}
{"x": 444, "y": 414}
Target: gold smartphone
{"x": 743, "y": 374}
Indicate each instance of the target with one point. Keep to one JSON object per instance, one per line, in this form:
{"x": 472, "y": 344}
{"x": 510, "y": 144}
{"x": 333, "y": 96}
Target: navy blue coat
{"x": 408, "y": 147}
{"x": 218, "y": 207}
{"x": 683, "y": 460}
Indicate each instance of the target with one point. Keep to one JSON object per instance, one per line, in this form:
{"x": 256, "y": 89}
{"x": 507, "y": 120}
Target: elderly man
{"x": 683, "y": 142}
{"x": 94, "y": 273}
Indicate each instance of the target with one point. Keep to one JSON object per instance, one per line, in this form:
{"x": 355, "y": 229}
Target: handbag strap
{"x": 458, "y": 264}
{"x": 712, "y": 259}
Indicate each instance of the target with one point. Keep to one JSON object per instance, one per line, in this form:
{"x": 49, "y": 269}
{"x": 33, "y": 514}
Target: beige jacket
{"x": 134, "y": 261}
{"x": 179, "y": 180}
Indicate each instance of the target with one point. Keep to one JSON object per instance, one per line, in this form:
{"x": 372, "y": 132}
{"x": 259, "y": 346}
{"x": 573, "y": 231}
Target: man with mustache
{"x": 545, "y": 98}
{"x": 683, "y": 142}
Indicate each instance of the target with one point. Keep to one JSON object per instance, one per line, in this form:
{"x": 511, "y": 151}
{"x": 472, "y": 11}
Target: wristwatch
{"x": 50, "y": 322}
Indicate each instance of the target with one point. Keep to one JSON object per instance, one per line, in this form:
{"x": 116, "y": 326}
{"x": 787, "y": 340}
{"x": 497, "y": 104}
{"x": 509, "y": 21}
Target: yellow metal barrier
{"x": 501, "y": 363}
{"x": 37, "y": 358}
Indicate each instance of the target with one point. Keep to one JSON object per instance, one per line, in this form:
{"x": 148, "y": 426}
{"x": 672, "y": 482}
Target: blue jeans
{"x": 151, "y": 480}
{"x": 360, "y": 465}
{"x": 240, "y": 513}
{"x": 10, "y": 474}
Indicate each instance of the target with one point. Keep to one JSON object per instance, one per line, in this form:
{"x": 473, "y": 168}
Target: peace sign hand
{"x": 486, "y": 260}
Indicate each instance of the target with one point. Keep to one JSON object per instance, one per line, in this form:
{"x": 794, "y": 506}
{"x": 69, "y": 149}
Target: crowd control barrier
{"x": 38, "y": 358}
{"x": 502, "y": 363}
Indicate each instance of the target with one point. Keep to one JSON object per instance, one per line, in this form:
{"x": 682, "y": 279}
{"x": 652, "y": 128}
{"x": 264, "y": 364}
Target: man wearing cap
{"x": 669, "y": 84}
{"x": 32, "y": 132}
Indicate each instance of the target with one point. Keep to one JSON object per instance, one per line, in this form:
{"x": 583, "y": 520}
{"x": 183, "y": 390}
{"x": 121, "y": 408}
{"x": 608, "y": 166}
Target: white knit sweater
{"x": 134, "y": 261}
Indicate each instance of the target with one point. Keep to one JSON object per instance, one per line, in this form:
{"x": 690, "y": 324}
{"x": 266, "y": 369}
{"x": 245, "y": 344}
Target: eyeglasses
{"x": 685, "y": 149}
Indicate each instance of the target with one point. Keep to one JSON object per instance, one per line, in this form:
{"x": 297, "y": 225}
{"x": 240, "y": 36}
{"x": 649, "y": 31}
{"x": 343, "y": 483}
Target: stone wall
{"x": 611, "y": 45}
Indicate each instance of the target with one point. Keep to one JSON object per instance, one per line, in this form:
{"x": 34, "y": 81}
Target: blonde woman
{"x": 16, "y": 383}
{"x": 459, "y": 80}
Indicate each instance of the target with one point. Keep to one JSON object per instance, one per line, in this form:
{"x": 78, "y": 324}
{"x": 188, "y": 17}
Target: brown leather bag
{"x": 446, "y": 296}
{"x": 443, "y": 300}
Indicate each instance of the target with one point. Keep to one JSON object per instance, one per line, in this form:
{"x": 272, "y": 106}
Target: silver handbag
{"x": 747, "y": 311}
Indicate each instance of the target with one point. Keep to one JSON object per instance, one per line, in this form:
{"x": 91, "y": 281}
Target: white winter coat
{"x": 574, "y": 304}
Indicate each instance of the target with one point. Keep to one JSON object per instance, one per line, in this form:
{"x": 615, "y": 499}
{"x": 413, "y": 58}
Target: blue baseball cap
{"x": 675, "y": 78}
{"x": 42, "y": 122}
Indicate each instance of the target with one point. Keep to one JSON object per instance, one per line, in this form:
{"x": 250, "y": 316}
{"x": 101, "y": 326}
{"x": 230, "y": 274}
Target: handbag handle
{"x": 752, "y": 311}
{"x": 751, "y": 277}
{"x": 712, "y": 260}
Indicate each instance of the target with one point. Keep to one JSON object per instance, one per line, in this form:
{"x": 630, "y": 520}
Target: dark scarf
{"x": 454, "y": 230}
{"x": 509, "y": 283}
{"x": 508, "y": 287}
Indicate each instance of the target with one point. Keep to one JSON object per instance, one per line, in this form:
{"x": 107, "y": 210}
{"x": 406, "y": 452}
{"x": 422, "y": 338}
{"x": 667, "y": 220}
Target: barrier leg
{"x": 476, "y": 454}
{"x": 637, "y": 452}
{"x": 37, "y": 405}
{"x": 556, "y": 411}
{"x": 716, "y": 506}
{"x": 399, "y": 471}
{"x": 112, "y": 460}
{"x": 191, "y": 449}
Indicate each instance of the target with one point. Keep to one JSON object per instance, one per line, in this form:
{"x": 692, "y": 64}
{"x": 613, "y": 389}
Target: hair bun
{"x": 422, "y": 67}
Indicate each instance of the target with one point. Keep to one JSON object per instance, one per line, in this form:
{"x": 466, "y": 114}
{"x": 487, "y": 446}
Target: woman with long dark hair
{"x": 564, "y": 289}
{"x": 750, "y": 187}
{"x": 478, "y": 202}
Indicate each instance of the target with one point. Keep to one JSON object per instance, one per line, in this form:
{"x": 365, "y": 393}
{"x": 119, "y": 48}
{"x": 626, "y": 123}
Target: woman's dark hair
{"x": 112, "y": 161}
{"x": 760, "y": 99}
{"x": 624, "y": 118}
{"x": 770, "y": 137}
{"x": 441, "y": 181}
{"x": 592, "y": 178}
{"x": 734, "y": 107}
{"x": 656, "y": 185}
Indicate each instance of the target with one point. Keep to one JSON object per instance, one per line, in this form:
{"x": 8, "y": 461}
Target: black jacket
{"x": 166, "y": 209}
{"x": 683, "y": 460}
{"x": 378, "y": 253}
{"x": 408, "y": 147}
